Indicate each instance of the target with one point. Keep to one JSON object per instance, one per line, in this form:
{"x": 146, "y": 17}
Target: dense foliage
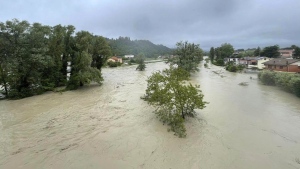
{"x": 271, "y": 51}
{"x": 224, "y": 51}
{"x": 219, "y": 62}
{"x": 173, "y": 98}
{"x": 124, "y": 46}
{"x": 187, "y": 56}
{"x": 34, "y": 57}
{"x": 113, "y": 64}
{"x": 232, "y": 67}
{"x": 257, "y": 51}
{"x": 287, "y": 81}
{"x": 296, "y": 54}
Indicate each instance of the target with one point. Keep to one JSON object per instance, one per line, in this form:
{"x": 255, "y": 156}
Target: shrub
{"x": 205, "y": 65}
{"x": 267, "y": 77}
{"x": 113, "y": 64}
{"x": 220, "y": 62}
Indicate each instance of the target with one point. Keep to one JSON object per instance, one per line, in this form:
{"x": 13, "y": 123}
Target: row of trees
{"x": 226, "y": 50}
{"x": 169, "y": 92}
{"x": 34, "y": 57}
{"x": 219, "y": 53}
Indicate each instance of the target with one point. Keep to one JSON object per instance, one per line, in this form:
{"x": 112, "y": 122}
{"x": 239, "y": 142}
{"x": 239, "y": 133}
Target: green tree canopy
{"x": 296, "y": 54}
{"x": 100, "y": 51}
{"x": 271, "y": 51}
{"x": 125, "y": 46}
{"x": 226, "y": 50}
{"x": 188, "y": 56}
{"x": 257, "y": 51}
{"x": 82, "y": 72}
{"x": 34, "y": 57}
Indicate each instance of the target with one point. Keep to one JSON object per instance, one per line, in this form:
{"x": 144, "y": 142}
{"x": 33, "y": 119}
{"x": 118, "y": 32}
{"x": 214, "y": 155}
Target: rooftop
{"x": 281, "y": 62}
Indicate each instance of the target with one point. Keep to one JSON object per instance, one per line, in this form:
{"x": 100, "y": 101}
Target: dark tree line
{"x": 34, "y": 57}
{"x": 124, "y": 46}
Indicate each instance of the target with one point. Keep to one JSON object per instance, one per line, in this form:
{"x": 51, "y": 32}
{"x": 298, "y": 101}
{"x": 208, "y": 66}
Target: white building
{"x": 129, "y": 56}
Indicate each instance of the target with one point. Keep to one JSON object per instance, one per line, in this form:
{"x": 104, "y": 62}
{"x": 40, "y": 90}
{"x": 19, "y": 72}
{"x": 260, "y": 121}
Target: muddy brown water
{"x": 252, "y": 126}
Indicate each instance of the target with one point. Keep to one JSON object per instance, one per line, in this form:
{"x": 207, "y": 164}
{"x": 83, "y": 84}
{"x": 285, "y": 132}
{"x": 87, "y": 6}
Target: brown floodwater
{"x": 109, "y": 126}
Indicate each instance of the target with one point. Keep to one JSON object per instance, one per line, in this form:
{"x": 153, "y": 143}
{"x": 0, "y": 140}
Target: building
{"x": 261, "y": 61}
{"x": 115, "y": 59}
{"x": 233, "y": 59}
{"x": 284, "y": 65}
{"x": 129, "y": 56}
{"x": 286, "y": 53}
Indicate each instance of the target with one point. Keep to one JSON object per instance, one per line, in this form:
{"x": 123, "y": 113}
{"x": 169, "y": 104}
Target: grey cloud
{"x": 244, "y": 24}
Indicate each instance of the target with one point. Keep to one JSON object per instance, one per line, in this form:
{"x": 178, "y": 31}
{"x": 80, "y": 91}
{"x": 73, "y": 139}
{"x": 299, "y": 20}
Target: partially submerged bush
{"x": 113, "y": 64}
{"x": 219, "y": 62}
{"x": 267, "y": 77}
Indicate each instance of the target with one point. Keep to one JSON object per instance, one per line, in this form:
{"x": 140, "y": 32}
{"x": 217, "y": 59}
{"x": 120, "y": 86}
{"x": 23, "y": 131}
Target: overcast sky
{"x": 243, "y": 23}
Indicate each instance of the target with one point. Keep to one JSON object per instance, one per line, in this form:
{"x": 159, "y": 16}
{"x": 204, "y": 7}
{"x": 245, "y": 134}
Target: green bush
{"x": 113, "y": 64}
{"x": 295, "y": 86}
{"x": 219, "y": 62}
{"x": 267, "y": 77}
{"x": 231, "y": 67}
{"x": 286, "y": 81}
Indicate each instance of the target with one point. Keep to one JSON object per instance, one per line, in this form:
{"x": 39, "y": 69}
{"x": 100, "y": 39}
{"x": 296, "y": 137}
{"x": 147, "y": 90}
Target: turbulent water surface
{"x": 109, "y": 126}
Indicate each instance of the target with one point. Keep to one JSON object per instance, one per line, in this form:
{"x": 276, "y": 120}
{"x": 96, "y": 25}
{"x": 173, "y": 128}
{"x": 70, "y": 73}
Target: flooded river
{"x": 109, "y": 126}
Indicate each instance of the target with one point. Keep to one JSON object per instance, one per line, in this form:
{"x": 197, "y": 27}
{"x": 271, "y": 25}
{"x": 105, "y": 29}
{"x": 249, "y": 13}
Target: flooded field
{"x": 109, "y": 126}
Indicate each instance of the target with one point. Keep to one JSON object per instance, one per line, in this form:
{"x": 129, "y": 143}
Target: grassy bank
{"x": 289, "y": 82}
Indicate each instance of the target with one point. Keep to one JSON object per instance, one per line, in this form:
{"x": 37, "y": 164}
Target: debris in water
{"x": 243, "y": 84}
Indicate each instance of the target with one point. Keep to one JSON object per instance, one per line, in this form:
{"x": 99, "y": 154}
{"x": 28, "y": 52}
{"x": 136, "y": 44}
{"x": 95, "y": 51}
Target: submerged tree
{"x": 173, "y": 98}
{"x": 188, "y": 56}
{"x": 141, "y": 63}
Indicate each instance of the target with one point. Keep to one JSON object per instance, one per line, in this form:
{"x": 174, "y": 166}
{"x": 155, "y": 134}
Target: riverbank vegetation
{"x": 34, "y": 58}
{"x": 286, "y": 81}
{"x": 124, "y": 45}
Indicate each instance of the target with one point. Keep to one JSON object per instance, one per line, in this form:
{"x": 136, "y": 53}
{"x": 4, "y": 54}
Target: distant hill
{"x": 124, "y": 46}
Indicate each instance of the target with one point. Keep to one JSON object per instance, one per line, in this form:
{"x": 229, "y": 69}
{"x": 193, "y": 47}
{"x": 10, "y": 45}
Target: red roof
{"x": 114, "y": 58}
